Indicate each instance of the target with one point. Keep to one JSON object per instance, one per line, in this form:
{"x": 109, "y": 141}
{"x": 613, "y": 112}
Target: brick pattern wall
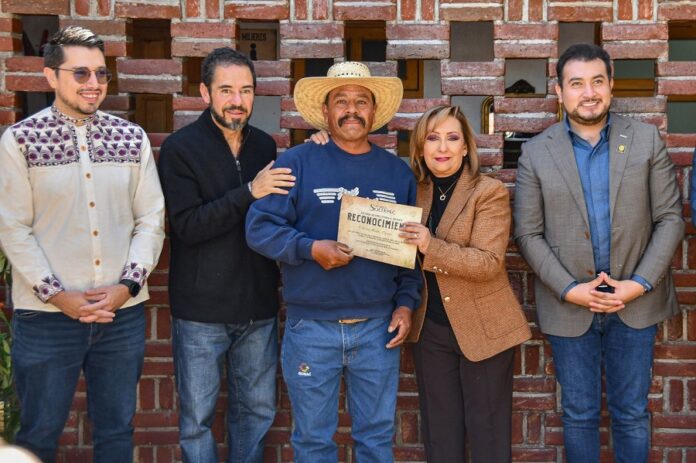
{"x": 630, "y": 29}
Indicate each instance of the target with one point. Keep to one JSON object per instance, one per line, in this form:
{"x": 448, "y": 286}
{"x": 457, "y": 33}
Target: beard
{"x": 234, "y": 124}
{"x": 592, "y": 119}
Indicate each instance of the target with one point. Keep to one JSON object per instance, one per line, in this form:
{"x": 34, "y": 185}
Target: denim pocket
{"x": 23, "y": 314}
{"x": 294, "y": 323}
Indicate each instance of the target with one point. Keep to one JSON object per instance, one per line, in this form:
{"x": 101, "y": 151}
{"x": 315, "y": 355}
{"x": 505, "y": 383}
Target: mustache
{"x": 235, "y": 108}
{"x": 342, "y": 120}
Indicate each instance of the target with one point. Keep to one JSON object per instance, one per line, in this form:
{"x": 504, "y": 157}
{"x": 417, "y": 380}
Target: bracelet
{"x": 249, "y": 185}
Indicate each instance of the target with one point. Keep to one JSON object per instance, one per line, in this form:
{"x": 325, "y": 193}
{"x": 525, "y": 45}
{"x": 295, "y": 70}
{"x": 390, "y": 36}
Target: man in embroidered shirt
{"x": 223, "y": 295}
{"x": 345, "y": 315}
{"x": 598, "y": 218}
{"x": 81, "y": 220}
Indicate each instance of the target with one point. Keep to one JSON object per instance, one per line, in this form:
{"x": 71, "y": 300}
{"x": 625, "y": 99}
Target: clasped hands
{"x": 96, "y": 305}
{"x": 586, "y": 294}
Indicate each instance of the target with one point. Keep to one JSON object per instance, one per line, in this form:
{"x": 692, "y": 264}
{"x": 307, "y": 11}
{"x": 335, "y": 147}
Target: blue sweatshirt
{"x": 283, "y": 227}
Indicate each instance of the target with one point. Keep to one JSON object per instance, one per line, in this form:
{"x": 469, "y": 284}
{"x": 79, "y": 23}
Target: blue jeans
{"x": 315, "y": 353}
{"x": 49, "y": 350}
{"x": 626, "y": 355}
{"x": 250, "y": 351}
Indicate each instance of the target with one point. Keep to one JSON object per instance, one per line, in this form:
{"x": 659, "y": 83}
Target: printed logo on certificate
{"x": 371, "y": 229}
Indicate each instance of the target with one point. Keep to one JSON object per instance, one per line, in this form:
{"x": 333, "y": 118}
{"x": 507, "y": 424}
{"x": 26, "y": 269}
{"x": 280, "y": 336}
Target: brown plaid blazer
{"x": 467, "y": 254}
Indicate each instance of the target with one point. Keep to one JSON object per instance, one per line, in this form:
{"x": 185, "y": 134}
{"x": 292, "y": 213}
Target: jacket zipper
{"x": 239, "y": 170}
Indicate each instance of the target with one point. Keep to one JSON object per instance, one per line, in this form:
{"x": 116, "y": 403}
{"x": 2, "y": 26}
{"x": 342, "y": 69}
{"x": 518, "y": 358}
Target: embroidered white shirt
{"x": 80, "y": 206}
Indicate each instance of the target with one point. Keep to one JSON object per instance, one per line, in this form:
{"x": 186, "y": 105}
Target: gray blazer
{"x": 553, "y": 234}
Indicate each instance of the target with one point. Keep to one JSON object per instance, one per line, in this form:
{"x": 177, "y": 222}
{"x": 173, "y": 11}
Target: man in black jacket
{"x": 223, "y": 295}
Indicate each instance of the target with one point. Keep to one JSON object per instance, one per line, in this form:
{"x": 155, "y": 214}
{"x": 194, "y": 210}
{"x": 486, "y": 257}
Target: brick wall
{"x": 630, "y": 29}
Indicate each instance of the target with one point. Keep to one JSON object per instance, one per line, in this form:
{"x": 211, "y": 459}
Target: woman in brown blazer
{"x": 470, "y": 321}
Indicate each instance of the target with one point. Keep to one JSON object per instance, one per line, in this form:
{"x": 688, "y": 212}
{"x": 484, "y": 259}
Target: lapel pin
{"x": 621, "y": 148}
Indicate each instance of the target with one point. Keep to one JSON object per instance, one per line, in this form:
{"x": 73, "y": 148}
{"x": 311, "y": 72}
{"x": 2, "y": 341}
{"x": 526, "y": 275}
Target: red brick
{"x": 364, "y": 12}
{"x": 676, "y": 399}
{"x": 272, "y": 68}
{"x": 524, "y": 50}
{"x": 418, "y": 31}
{"x": 417, "y": 50}
{"x": 266, "y": 87}
{"x": 149, "y": 67}
{"x": 116, "y": 48}
{"x": 104, "y": 7}
{"x": 82, "y": 7}
{"x": 628, "y": 50}
{"x": 451, "y": 86}
{"x": 193, "y": 8}
{"x": 282, "y": 140}
{"x": 137, "y": 10}
{"x": 525, "y": 105}
{"x": 98, "y": 26}
{"x": 212, "y": 9}
{"x": 639, "y": 105}
{"x": 427, "y": 10}
{"x": 43, "y": 7}
{"x": 270, "y": 12}
{"x": 9, "y": 100}
{"x": 412, "y": 105}
{"x": 514, "y": 31}
{"x": 536, "y": 10}
{"x": 203, "y": 30}
{"x": 166, "y": 393}
{"x": 512, "y": 123}
{"x": 471, "y": 13}
{"x": 472, "y": 69}
{"x": 409, "y": 454}
{"x": 675, "y": 351}
{"x": 676, "y": 87}
{"x": 188, "y": 104}
{"x": 674, "y": 369}
{"x": 157, "y": 419}
{"x": 676, "y": 11}
{"x": 580, "y": 13}
{"x": 645, "y": 9}
{"x": 409, "y": 428}
{"x": 24, "y": 64}
{"x": 311, "y": 30}
{"x": 116, "y": 103}
{"x": 320, "y": 9}
{"x": 310, "y": 50}
{"x": 408, "y": 10}
{"x": 197, "y": 48}
{"x": 676, "y": 68}
{"x": 27, "y": 83}
{"x": 300, "y": 10}
{"x": 10, "y": 25}
{"x": 9, "y": 44}
{"x": 155, "y": 437}
{"x": 625, "y": 10}
{"x": 672, "y": 439}
{"x": 514, "y": 10}
{"x": 402, "y": 123}
{"x": 621, "y": 32}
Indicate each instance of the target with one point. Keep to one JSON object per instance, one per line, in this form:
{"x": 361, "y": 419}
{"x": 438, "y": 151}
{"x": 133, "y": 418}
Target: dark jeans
{"x": 626, "y": 355}
{"x": 49, "y": 350}
{"x": 460, "y": 398}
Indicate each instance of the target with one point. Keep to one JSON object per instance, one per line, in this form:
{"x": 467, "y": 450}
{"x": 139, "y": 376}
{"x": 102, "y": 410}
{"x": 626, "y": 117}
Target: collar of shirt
{"x": 577, "y": 139}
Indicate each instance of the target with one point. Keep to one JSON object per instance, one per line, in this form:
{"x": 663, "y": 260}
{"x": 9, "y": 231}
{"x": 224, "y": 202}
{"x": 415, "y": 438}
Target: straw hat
{"x": 310, "y": 92}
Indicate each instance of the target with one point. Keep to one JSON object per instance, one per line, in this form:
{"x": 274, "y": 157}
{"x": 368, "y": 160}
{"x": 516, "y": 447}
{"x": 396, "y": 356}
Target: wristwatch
{"x": 133, "y": 287}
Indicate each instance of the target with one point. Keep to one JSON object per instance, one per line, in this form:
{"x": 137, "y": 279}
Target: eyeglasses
{"x": 82, "y": 74}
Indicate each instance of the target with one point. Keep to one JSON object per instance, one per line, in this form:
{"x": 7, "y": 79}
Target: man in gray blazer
{"x": 598, "y": 218}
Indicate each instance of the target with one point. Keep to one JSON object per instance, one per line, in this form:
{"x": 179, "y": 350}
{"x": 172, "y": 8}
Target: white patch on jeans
{"x": 304, "y": 370}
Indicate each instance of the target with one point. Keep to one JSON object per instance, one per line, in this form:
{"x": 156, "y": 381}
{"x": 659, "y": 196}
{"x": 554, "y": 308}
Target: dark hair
{"x": 425, "y": 124}
{"x": 224, "y": 56}
{"x": 582, "y": 52}
{"x": 71, "y": 36}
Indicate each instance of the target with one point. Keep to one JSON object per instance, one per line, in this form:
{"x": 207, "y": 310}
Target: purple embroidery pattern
{"x": 134, "y": 272}
{"x": 113, "y": 139}
{"x": 49, "y": 287}
{"x": 51, "y": 140}
{"x": 45, "y": 141}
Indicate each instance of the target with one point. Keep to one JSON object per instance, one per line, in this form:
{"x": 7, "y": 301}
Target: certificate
{"x": 371, "y": 228}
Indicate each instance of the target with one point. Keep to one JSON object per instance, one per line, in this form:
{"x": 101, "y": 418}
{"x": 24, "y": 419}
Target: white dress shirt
{"x": 80, "y": 206}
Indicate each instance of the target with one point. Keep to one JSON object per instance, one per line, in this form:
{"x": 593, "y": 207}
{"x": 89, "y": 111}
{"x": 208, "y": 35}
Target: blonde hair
{"x": 427, "y": 122}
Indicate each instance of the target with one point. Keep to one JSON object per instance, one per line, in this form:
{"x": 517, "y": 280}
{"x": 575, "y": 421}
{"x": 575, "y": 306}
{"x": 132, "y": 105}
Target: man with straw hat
{"x": 344, "y": 315}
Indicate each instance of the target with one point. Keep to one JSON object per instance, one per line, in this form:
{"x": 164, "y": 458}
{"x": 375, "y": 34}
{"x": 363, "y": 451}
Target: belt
{"x": 351, "y": 321}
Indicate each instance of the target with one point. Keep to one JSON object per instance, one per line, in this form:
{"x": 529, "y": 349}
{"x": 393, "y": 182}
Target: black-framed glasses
{"x": 83, "y": 73}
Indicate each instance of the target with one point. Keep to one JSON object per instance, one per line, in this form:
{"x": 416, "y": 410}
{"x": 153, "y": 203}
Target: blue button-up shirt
{"x": 593, "y": 167}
